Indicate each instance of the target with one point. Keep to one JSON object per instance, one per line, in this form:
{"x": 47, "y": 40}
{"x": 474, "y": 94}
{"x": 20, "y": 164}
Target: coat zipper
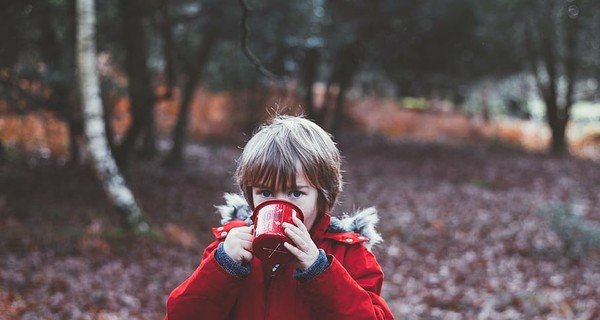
{"x": 272, "y": 271}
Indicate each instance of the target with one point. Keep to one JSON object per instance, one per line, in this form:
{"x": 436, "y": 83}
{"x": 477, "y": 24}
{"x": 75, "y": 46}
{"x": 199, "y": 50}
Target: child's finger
{"x": 244, "y": 230}
{"x": 246, "y": 244}
{"x": 304, "y": 258}
{"x": 298, "y": 240}
{"x": 246, "y": 255}
{"x": 299, "y": 223}
{"x": 291, "y": 232}
{"x": 288, "y": 227}
{"x": 293, "y": 250}
{"x": 245, "y": 236}
{"x": 301, "y": 230}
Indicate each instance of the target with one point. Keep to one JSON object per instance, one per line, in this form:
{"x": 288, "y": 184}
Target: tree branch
{"x": 244, "y": 42}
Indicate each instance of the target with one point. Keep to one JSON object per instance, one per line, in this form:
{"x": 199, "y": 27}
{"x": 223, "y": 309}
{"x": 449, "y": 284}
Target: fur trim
{"x": 362, "y": 222}
{"x": 235, "y": 208}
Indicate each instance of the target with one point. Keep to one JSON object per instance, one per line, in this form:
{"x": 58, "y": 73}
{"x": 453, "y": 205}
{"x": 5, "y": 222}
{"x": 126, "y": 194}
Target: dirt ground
{"x": 464, "y": 230}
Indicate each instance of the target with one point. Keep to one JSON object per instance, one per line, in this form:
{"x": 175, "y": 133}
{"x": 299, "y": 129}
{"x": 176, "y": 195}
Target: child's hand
{"x": 238, "y": 244}
{"x": 305, "y": 250}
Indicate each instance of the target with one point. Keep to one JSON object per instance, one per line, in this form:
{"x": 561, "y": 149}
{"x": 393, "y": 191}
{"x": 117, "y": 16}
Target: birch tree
{"x": 106, "y": 169}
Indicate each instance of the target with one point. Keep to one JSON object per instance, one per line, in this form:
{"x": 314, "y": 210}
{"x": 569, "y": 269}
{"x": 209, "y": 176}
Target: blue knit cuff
{"x": 230, "y": 265}
{"x": 314, "y": 270}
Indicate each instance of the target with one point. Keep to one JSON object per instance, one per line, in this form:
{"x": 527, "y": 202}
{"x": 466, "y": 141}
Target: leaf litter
{"x": 463, "y": 235}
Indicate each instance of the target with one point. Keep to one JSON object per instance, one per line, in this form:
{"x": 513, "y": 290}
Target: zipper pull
{"x": 275, "y": 267}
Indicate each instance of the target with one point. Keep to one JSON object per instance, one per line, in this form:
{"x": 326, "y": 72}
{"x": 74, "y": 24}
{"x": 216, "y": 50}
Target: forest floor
{"x": 470, "y": 232}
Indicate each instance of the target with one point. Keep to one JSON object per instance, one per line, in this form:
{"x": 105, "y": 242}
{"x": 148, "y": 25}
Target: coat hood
{"x": 362, "y": 221}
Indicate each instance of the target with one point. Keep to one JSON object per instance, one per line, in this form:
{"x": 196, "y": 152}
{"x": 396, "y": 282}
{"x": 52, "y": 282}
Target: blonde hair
{"x": 272, "y": 156}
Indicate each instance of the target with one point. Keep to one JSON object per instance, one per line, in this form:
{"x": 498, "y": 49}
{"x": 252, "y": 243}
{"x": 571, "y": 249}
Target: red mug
{"x": 269, "y": 235}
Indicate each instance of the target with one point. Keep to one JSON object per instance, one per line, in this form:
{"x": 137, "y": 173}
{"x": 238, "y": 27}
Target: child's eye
{"x": 295, "y": 194}
{"x": 265, "y": 193}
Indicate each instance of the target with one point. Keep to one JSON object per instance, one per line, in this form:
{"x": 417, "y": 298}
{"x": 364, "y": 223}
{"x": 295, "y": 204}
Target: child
{"x": 334, "y": 275}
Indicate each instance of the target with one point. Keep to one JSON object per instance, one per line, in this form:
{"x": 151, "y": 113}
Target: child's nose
{"x": 281, "y": 196}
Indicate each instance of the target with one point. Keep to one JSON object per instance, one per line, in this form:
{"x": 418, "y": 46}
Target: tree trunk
{"x": 106, "y": 169}
{"x": 168, "y": 52}
{"x": 140, "y": 92}
{"x": 310, "y": 68}
{"x": 558, "y": 145}
{"x": 75, "y": 132}
{"x": 338, "y": 112}
{"x": 149, "y": 149}
{"x": 343, "y": 74}
{"x": 175, "y": 157}
{"x": 107, "y": 108}
{"x": 58, "y": 54}
{"x": 2, "y": 153}
{"x": 544, "y": 49}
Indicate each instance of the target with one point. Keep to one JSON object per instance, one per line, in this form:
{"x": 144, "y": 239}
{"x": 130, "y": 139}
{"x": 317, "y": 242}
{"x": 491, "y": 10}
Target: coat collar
{"x": 317, "y": 232}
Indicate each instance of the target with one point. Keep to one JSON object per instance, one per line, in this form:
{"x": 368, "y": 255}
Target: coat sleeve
{"x": 349, "y": 289}
{"x": 209, "y": 293}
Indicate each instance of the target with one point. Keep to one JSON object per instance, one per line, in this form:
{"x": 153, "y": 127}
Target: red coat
{"x": 348, "y": 289}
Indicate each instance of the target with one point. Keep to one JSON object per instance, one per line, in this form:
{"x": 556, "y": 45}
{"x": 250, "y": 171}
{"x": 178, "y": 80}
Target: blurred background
{"x": 472, "y": 125}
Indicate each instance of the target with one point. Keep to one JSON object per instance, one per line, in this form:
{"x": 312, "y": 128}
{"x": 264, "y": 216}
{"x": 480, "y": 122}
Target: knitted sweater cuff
{"x": 230, "y": 265}
{"x": 314, "y": 270}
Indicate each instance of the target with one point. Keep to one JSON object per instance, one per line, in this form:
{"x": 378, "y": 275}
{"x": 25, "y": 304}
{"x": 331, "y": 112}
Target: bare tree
{"x": 554, "y": 53}
{"x": 107, "y": 171}
{"x": 141, "y": 96}
{"x": 244, "y": 42}
{"x": 193, "y": 74}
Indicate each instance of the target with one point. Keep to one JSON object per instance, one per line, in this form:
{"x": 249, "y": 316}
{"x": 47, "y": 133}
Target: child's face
{"x": 304, "y": 196}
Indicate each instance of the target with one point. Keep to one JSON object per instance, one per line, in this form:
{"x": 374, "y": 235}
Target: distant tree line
{"x": 414, "y": 47}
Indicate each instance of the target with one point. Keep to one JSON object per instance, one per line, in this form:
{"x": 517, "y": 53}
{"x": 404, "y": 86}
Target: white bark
{"x": 112, "y": 181}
